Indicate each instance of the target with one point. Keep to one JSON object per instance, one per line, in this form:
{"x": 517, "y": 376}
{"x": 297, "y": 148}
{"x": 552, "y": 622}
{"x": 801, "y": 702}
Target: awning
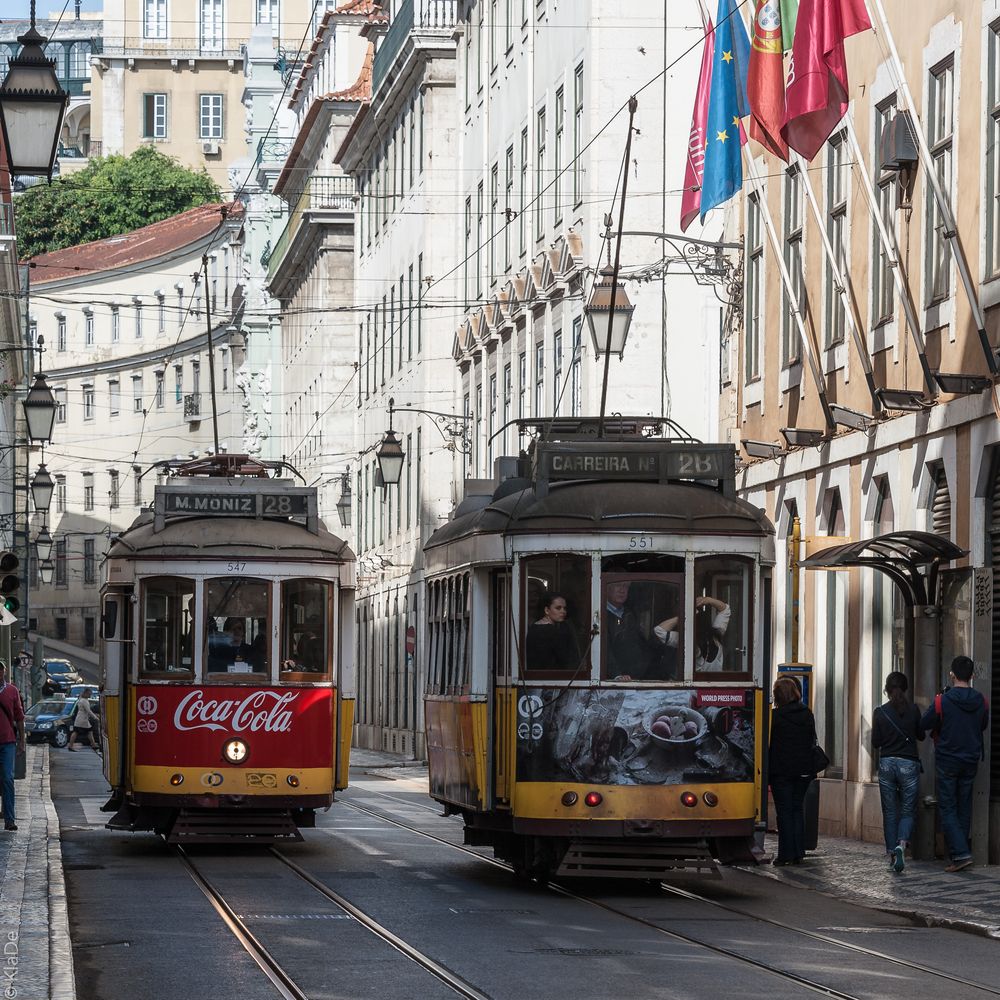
{"x": 901, "y": 555}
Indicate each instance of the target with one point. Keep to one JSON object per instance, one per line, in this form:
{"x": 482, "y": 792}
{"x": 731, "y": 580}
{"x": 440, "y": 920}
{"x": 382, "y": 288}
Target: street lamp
{"x": 608, "y": 299}
{"x": 344, "y": 502}
{"x": 43, "y": 544}
{"x": 42, "y": 487}
{"x": 40, "y": 410}
{"x": 32, "y": 105}
{"x": 390, "y": 457}
{"x": 45, "y": 572}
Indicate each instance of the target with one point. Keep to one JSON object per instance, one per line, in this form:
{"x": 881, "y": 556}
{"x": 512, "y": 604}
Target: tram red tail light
{"x": 569, "y": 798}
{"x": 710, "y": 799}
{"x": 689, "y": 799}
{"x": 593, "y": 799}
{"x": 293, "y": 780}
{"x": 177, "y": 779}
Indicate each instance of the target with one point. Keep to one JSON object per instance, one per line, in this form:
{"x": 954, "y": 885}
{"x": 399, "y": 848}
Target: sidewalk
{"x": 37, "y": 952}
{"x": 858, "y": 873}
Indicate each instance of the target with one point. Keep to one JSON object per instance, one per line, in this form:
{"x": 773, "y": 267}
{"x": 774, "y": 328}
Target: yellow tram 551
{"x": 227, "y": 658}
{"x": 597, "y": 640}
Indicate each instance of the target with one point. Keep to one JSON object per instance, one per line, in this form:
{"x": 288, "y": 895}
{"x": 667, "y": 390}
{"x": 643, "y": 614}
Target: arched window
{"x": 79, "y": 61}
{"x": 940, "y": 504}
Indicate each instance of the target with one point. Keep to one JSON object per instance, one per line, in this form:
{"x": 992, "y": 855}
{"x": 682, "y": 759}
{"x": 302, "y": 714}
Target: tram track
{"x": 695, "y": 897}
{"x": 279, "y": 977}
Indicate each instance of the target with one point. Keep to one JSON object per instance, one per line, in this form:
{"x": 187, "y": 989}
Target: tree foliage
{"x": 110, "y": 196}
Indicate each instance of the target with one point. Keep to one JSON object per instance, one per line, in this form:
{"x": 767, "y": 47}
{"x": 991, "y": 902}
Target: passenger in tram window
{"x": 631, "y": 654}
{"x": 258, "y": 649}
{"x": 710, "y": 623}
{"x": 308, "y": 656}
{"x": 551, "y": 641}
{"x": 230, "y": 648}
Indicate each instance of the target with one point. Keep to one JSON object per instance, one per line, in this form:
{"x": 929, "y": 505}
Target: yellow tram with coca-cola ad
{"x": 598, "y": 653}
{"x": 227, "y": 658}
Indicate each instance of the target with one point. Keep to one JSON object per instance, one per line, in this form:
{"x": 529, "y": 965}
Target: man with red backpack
{"x": 957, "y": 719}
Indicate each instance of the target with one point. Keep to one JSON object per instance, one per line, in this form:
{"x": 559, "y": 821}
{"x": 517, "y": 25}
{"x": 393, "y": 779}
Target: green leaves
{"x": 110, "y": 196}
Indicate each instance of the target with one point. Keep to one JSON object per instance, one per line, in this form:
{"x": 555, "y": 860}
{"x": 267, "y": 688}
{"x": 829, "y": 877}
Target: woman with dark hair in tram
{"x": 551, "y": 642}
{"x": 790, "y": 760}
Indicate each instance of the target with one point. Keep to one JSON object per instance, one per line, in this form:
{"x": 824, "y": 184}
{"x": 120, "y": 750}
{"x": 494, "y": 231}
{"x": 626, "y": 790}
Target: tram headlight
{"x": 710, "y": 799}
{"x": 293, "y": 780}
{"x": 689, "y": 799}
{"x": 569, "y": 798}
{"x": 235, "y": 751}
{"x": 593, "y": 799}
{"x": 176, "y": 779}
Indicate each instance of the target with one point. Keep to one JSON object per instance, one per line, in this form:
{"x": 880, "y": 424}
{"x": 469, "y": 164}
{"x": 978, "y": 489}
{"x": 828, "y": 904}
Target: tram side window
{"x": 556, "y": 615}
{"x": 168, "y": 627}
{"x": 642, "y": 620}
{"x": 448, "y": 635}
{"x": 723, "y": 600}
{"x": 305, "y": 629}
{"x": 236, "y": 616}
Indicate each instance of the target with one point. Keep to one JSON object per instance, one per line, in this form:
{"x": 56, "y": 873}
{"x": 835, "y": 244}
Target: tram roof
{"x": 588, "y": 507}
{"x": 229, "y": 537}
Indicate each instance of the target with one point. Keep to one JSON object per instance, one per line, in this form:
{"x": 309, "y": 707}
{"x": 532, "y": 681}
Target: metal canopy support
{"x": 912, "y": 559}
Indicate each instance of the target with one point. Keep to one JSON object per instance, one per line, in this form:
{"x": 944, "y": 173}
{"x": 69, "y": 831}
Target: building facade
{"x": 171, "y": 74}
{"x": 125, "y": 330}
{"x": 884, "y": 416}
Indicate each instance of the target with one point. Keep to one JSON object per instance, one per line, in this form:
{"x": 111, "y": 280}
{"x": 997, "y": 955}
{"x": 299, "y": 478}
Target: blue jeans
{"x": 789, "y": 798}
{"x": 7, "y": 754}
{"x": 955, "y": 779}
{"x": 898, "y": 783}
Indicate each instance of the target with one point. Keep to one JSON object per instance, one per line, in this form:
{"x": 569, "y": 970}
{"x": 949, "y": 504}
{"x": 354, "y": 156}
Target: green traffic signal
{"x": 12, "y": 604}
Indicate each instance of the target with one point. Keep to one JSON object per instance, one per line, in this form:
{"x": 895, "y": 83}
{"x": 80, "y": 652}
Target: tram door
{"x": 501, "y": 625}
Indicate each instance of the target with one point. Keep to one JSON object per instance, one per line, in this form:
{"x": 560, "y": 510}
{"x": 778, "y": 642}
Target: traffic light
{"x": 10, "y": 582}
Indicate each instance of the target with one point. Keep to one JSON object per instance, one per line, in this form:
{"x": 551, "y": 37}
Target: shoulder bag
{"x": 892, "y": 722}
{"x": 819, "y": 760}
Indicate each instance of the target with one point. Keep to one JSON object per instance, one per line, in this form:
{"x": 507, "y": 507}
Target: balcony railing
{"x": 95, "y": 147}
{"x": 331, "y": 193}
{"x": 422, "y": 14}
{"x": 271, "y": 149}
{"x": 172, "y": 48}
{"x": 192, "y": 406}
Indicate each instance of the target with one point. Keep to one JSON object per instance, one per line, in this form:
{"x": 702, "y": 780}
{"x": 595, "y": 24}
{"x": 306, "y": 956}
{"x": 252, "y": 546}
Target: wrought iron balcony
{"x": 413, "y": 15}
{"x": 271, "y": 149}
{"x": 192, "y": 406}
{"x": 137, "y": 47}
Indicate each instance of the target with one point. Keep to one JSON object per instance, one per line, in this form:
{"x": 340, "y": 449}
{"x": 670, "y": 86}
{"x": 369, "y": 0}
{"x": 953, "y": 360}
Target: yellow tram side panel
{"x": 457, "y": 748}
{"x": 111, "y": 738}
{"x": 342, "y": 753}
{"x": 738, "y": 800}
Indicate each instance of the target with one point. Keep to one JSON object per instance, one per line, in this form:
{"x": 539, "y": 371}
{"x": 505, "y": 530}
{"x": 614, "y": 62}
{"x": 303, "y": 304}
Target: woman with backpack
{"x": 896, "y": 730}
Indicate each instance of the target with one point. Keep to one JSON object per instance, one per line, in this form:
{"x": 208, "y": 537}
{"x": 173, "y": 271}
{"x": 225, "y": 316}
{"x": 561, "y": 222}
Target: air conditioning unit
{"x": 210, "y": 148}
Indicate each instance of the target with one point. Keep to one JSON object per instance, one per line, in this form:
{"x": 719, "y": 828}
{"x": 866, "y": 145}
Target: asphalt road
{"x": 142, "y": 927}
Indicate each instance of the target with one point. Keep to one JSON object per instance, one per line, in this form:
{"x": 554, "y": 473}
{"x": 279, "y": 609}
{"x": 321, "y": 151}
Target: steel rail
{"x": 446, "y": 976}
{"x": 815, "y": 935}
{"x": 280, "y": 979}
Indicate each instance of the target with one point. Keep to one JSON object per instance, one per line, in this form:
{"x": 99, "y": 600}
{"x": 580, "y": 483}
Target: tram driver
{"x": 631, "y": 654}
{"x": 230, "y": 652}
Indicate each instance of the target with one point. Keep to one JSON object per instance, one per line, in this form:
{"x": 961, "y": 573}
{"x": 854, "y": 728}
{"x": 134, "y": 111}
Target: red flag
{"x": 766, "y": 79}
{"x": 695, "y": 169}
{"x": 816, "y": 95}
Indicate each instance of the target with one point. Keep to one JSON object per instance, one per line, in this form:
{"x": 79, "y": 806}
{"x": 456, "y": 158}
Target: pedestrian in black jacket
{"x": 896, "y": 728}
{"x": 964, "y": 716}
{"x": 793, "y": 736}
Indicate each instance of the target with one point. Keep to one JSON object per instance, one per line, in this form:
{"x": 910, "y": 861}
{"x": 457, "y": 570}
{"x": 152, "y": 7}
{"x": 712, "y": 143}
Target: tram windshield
{"x": 168, "y": 627}
{"x": 556, "y": 614}
{"x": 722, "y": 603}
{"x": 237, "y": 613}
{"x": 642, "y": 620}
{"x": 305, "y": 628}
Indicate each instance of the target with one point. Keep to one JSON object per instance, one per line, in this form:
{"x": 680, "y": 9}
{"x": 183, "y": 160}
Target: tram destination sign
{"x": 653, "y": 461}
{"x": 257, "y": 500}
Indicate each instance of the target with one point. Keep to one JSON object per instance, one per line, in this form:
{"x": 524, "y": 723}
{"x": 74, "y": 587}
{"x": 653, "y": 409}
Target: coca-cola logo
{"x": 259, "y": 711}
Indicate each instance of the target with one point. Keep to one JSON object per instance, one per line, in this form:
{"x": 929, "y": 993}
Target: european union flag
{"x": 728, "y": 103}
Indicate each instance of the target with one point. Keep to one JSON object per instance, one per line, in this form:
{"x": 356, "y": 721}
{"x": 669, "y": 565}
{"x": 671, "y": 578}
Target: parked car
{"x": 50, "y": 721}
{"x": 60, "y": 675}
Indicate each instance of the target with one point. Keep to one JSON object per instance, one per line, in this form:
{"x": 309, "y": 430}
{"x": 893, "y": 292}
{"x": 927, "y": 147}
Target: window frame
{"x": 211, "y": 116}
{"x": 184, "y": 675}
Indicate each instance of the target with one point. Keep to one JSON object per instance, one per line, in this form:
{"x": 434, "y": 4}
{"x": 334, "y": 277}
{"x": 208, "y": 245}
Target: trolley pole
{"x": 211, "y": 353}
{"x": 633, "y": 105}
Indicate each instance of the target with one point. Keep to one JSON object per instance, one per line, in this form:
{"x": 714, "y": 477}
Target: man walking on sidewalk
{"x": 957, "y": 718}
{"x": 11, "y": 740}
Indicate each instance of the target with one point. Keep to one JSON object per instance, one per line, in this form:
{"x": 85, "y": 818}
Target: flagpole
{"x": 793, "y": 299}
{"x": 842, "y": 282}
{"x": 891, "y": 247}
{"x": 944, "y": 203}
